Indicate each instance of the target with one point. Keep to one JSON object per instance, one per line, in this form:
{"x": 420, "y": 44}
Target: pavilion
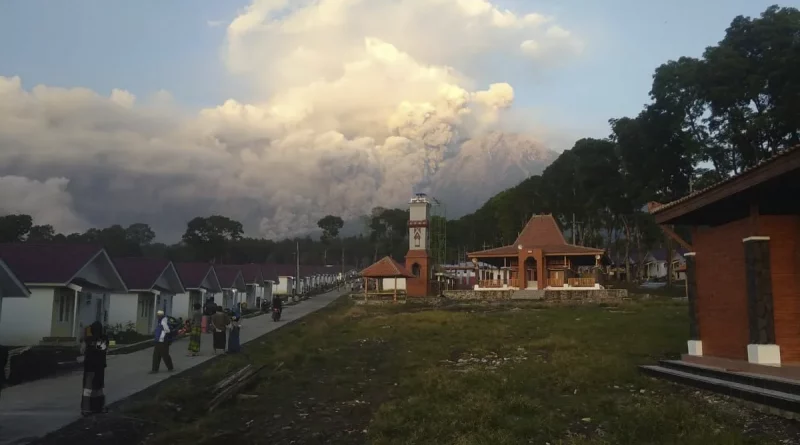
{"x": 540, "y": 258}
{"x": 385, "y": 268}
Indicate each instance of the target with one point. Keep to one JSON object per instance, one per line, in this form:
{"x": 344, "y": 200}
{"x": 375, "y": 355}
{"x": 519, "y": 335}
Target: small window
{"x": 415, "y": 269}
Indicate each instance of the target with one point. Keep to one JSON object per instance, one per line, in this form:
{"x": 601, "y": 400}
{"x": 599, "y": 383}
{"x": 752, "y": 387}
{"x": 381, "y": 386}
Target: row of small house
{"x": 50, "y": 292}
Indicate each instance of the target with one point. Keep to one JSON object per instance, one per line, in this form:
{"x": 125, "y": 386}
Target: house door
{"x": 530, "y": 274}
{"x": 144, "y": 317}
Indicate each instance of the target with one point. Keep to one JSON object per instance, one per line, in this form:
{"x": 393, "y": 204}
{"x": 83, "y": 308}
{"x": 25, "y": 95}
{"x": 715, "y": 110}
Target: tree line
{"x": 707, "y": 119}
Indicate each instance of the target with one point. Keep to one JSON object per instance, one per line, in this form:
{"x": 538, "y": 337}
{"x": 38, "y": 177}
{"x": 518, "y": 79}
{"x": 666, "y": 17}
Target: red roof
{"x": 140, "y": 273}
{"x": 192, "y": 274}
{"x": 227, "y": 275}
{"x": 541, "y": 232}
{"x": 52, "y": 263}
{"x": 386, "y": 267}
{"x": 252, "y": 273}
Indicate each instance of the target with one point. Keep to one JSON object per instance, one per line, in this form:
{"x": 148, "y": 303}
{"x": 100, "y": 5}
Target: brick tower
{"x": 418, "y": 258}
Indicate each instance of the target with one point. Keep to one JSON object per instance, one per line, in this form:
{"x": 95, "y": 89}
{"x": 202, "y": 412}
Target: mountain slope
{"x": 486, "y": 166}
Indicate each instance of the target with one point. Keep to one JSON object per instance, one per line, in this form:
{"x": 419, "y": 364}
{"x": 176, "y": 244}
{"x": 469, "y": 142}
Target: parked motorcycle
{"x": 276, "y": 314}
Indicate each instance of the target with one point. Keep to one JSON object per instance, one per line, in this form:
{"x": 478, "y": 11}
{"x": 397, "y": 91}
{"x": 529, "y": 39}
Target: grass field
{"x": 453, "y": 375}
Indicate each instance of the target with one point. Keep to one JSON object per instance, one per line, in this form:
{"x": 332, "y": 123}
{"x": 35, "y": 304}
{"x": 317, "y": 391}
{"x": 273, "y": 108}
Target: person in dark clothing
{"x": 93, "y": 400}
{"x": 277, "y": 303}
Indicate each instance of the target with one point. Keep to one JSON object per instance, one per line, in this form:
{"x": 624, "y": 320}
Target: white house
{"x": 655, "y": 265}
{"x": 69, "y": 290}
{"x": 271, "y": 280}
{"x": 152, "y": 284}
{"x": 200, "y": 282}
{"x": 10, "y": 285}
{"x": 233, "y": 286}
{"x": 254, "y": 282}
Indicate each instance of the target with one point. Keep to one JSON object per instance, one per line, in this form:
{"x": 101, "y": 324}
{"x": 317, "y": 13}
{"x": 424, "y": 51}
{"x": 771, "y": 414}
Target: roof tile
{"x": 140, "y": 273}
{"x": 47, "y": 263}
{"x": 386, "y": 267}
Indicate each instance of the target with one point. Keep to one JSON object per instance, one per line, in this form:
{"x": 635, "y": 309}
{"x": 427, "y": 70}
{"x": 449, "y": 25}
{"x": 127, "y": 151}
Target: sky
{"x": 346, "y": 103}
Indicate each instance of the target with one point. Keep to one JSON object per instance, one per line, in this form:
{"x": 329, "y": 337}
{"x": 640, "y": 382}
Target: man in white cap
{"x": 161, "y": 348}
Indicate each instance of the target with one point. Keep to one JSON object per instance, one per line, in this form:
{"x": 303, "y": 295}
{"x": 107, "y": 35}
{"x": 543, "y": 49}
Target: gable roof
{"x": 193, "y": 274}
{"x": 772, "y": 167}
{"x": 251, "y": 273}
{"x": 51, "y": 263}
{"x": 10, "y": 285}
{"x": 228, "y": 275}
{"x": 541, "y": 232}
{"x": 269, "y": 272}
{"x": 142, "y": 273}
{"x": 386, "y": 267}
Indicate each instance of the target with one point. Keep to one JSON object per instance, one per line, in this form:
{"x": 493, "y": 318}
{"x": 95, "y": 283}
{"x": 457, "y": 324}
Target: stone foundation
{"x": 478, "y": 295}
{"x": 593, "y": 296}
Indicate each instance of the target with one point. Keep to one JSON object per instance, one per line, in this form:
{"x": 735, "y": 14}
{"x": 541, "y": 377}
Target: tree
{"x": 41, "y": 233}
{"x": 139, "y": 233}
{"x": 209, "y": 236}
{"x": 330, "y": 226}
{"x": 14, "y": 228}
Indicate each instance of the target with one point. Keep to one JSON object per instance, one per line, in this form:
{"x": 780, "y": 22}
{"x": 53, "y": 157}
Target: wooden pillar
{"x": 695, "y": 344}
{"x": 366, "y": 286}
{"x": 395, "y": 289}
{"x": 758, "y": 278}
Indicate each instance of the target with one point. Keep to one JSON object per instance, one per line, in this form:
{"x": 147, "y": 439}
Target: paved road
{"x": 33, "y": 409}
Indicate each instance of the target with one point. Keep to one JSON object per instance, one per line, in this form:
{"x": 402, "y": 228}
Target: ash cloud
{"x": 358, "y": 103}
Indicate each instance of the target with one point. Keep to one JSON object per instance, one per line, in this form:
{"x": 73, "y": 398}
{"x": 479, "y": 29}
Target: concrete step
{"x": 768, "y": 397}
{"x": 528, "y": 294}
{"x": 756, "y": 380}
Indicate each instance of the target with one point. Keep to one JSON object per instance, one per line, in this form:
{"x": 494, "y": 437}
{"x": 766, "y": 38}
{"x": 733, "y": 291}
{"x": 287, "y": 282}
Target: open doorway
{"x": 531, "y": 276}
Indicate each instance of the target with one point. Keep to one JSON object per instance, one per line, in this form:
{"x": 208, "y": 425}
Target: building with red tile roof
{"x": 152, "y": 285}
{"x": 200, "y": 282}
{"x": 539, "y": 258}
{"x": 70, "y": 286}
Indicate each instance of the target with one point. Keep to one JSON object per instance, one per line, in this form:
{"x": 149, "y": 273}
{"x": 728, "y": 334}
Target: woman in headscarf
{"x": 94, "y": 371}
{"x": 219, "y": 323}
{"x": 196, "y": 330}
{"x": 233, "y": 341}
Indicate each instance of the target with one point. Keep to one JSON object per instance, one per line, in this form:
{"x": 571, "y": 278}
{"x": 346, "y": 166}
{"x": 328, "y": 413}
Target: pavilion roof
{"x": 386, "y": 267}
{"x": 541, "y": 232}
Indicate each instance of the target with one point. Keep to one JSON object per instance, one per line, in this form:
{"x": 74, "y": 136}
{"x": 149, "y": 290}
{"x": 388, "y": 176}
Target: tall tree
{"x": 140, "y": 233}
{"x": 209, "y": 236}
{"x": 330, "y": 225}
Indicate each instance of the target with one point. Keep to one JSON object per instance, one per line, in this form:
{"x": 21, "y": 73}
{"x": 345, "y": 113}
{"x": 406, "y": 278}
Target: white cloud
{"x": 360, "y": 101}
{"x": 47, "y": 202}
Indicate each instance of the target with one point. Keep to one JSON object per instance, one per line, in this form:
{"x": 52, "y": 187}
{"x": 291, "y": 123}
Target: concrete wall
{"x": 284, "y": 286}
{"x": 26, "y": 321}
{"x": 123, "y": 309}
{"x": 590, "y": 296}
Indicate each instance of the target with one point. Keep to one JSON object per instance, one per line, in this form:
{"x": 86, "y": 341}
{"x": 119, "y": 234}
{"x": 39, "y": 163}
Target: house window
{"x": 416, "y": 238}
{"x": 415, "y": 269}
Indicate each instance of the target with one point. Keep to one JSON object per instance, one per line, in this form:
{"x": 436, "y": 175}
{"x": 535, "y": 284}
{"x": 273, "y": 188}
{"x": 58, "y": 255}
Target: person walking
{"x": 93, "y": 399}
{"x": 195, "y": 333}
{"x": 234, "y": 345}
{"x": 219, "y": 323}
{"x": 161, "y": 348}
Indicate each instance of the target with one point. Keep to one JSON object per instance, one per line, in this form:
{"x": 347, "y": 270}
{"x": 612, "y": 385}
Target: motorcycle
{"x": 276, "y": 314}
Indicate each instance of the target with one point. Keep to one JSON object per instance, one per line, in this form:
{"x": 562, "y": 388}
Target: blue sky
{"x": 148, "y": 45}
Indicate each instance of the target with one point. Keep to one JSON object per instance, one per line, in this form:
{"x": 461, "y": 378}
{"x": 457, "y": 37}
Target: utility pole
{"x": 342, "y": 279}
{"x": 573, "y": 228}
{"x": 297, "y": 255}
